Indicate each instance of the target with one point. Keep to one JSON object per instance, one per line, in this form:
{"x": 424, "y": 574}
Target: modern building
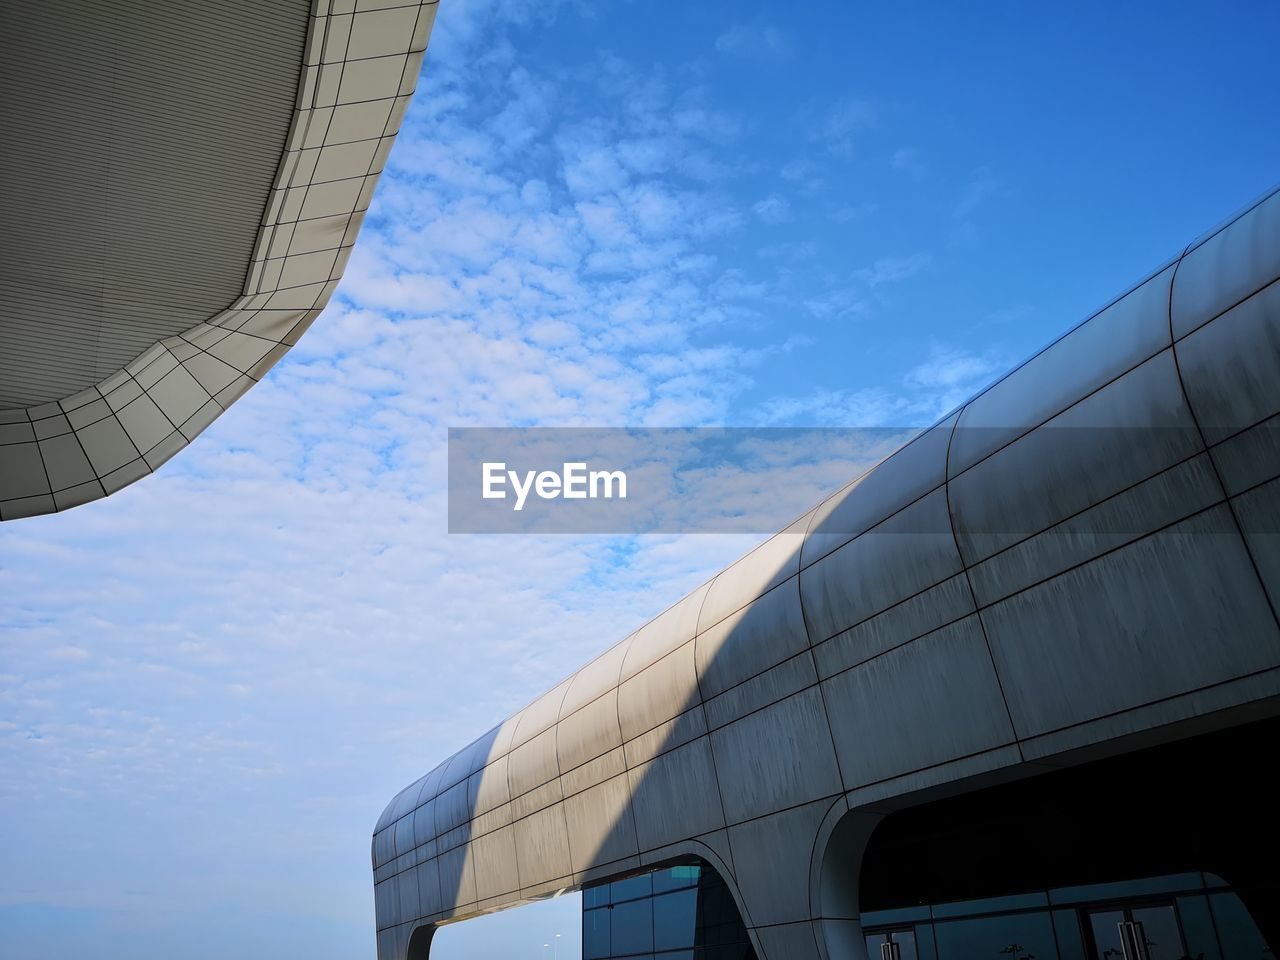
{"x": 182, "y": 185}
{"x": 1013, "y": 694}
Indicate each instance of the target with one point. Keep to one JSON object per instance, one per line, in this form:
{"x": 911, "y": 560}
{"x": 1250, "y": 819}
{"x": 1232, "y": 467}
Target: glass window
{"x": 892, "y": 945}
{"x": 1156, "y": 923}
{"x": 675, "y": 920}
{"x": 884, "y": 918}
{"x": 677, "y": 913}
{"x": 718, "y": 918}
{"x": 964, "y": 908}
{"x": 1236, "y": 930}
{"x": 595, "y": 897}
{"x": 1023, "y": 936}
{"x": 1197, "y": 928}
{"x": 676, "y": 878}
{"x": 925, "y": 946}
{"x": 632, "y": 927}
{"x": 1145, "y": 887}
{"x": 1105, "y": 927}
{"x": 1066, "y": 926}
{"x": 1160, "y": 930}
{"x": 729, "y": 951}
{"x": 631, "y": 888}
{"x": 595, "y": 934}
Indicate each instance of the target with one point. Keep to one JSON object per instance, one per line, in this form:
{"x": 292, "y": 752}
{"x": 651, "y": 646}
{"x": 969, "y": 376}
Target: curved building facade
{"x": 1060, "y": 600}
{"x": 182, "y": 188}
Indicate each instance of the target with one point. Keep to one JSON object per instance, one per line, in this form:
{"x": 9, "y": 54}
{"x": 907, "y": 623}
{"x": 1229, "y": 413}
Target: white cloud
{"x": 852, "y": 408}
{"x": 754, "y": 41}
{"x": 893, "y": 269}
{"x": 845, "y": 300}
{"x": 772, "y": 209}
{"x": 909, "y": 161}
{"x": 951, "y": 376}
{"x": 982, "y": 186}
{"x": 842, "y": 124}
{"x": 803, "y": 172}
{"x": 850, "y": 212}
{"x": 797, "y": 251}
{"x": 838, "y": 303}
{"x": 926, "y": 392}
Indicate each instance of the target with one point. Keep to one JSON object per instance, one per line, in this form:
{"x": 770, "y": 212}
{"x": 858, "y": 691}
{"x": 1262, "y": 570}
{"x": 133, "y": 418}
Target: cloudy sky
{"x": 606, "y": 213}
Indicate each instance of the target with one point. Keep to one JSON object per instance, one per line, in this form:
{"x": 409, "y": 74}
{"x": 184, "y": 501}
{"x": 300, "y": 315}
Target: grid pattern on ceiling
{"x": 140, "y": 140}
{"x": 360, "y": 68}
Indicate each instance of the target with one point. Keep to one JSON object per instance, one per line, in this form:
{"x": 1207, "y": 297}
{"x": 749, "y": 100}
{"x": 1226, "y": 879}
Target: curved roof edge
{"x": 359, "y": 71}
{"x": 822, "y": 530}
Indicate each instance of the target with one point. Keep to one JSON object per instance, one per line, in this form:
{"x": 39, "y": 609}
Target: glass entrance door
{"x": 1147, "y": 932}
{"x": 892, "y": 945}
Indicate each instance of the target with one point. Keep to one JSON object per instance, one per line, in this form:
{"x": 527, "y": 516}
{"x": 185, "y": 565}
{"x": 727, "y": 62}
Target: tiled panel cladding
{"x": 670, "y": 629}
{"x": 1230, "y": 265}
{"x": 1116, "y": 339}
{"x": 892, "y": 562}
{"x": 141, "y": 137}
{"x": 590, "y": 732}
{"x": 1259, "y": 515}
{"x": 776, "y": 757}
{"x": 913, "y": 471}
{"x": 541, "y": 715}
{"x": 754, "y": 575}
{"x": 1134, "y": 427}
{"x": 600, "y": 824}
{"x": 1172, "y": 612}
{"x": 744, "y": 644}
{"x": 876, "y": 721}
{"x": 1246, "y": 338}
{"x": 1078, "y": 563}
{"x": 597, "y": 677}
{"x": 660, "y": 692}
{"x": 277, "y": 79}
{"x": 1179, "y": 492}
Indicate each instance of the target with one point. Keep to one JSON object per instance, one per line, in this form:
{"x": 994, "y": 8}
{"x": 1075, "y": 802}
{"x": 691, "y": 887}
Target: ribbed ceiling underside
{"x": 138, "y": 141}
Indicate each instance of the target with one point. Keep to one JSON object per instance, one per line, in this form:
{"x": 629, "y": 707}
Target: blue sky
{"x": 598, "y": 214}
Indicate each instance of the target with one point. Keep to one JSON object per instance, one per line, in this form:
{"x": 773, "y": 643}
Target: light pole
{"x": 555, "y": 947}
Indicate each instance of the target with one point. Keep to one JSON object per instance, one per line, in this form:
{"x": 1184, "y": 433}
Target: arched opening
{"x": 1163, "y": 853}
{"x": 544, "y": 929}
{"x": 676, "y": 912}
{"x": 836, "y": 896}
{"x": 420, "y": 943}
